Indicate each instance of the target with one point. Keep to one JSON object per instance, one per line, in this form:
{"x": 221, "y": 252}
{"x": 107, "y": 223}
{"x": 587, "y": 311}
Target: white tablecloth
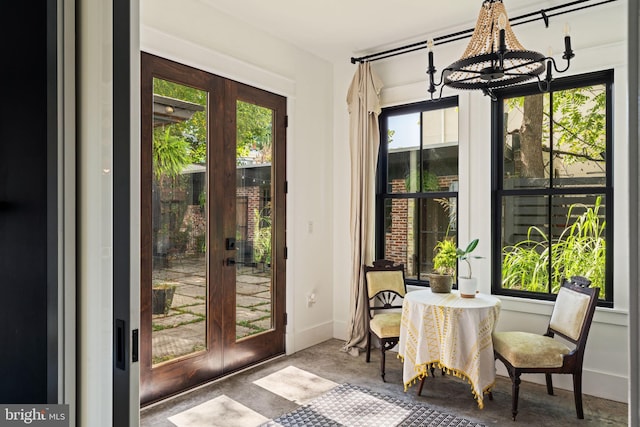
{"x": 451, "y": 333}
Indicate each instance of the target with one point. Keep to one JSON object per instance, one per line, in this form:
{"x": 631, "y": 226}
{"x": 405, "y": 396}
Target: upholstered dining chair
{"x": 385, "y": 287}
{"x": 524, "y": 352}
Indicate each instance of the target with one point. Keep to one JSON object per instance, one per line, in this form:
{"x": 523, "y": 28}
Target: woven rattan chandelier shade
{"x": 482, "y": 66}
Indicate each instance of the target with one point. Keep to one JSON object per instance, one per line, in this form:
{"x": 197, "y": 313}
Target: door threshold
{"x": 208, "y": 383}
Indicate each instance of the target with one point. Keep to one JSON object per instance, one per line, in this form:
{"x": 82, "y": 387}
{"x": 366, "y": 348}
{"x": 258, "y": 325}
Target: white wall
{"x": 193, "y": 33}
{"x": 599, "y": 41}
{"x": 94, "y": 198}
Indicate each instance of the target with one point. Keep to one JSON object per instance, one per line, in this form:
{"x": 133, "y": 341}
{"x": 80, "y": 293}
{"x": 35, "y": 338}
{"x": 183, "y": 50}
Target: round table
{"x": 448, "y": 332}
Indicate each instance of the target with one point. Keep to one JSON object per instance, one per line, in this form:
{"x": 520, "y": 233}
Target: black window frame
{"x": 382, "y": 174}
{"x": 605, "y": 78}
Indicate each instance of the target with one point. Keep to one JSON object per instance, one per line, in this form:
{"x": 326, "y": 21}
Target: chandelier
{"x": 495, "y": 58}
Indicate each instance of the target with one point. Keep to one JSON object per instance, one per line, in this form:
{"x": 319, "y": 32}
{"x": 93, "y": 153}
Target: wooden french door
{"x": 213, "y": 227}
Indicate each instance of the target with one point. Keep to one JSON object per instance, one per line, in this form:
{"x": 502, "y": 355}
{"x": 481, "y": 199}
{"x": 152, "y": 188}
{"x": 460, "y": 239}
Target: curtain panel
{"x": 363, "y": 100}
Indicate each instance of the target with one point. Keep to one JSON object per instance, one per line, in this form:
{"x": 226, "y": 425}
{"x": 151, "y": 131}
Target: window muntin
{"x": 553, "y": 193}
{"x": 418, "y": 184}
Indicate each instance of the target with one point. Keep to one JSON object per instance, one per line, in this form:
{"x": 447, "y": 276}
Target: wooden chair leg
{"x": 382, "y": 357}
{"x": 515, "y": 390}
{"x": 549, "y": 384}
{"x": 421, "y": 385}
{"x": 368, "y": 347}
{"x": 577, "y": 394}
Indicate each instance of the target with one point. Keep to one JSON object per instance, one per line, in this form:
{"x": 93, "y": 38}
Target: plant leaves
{"x": 471, "y": 246}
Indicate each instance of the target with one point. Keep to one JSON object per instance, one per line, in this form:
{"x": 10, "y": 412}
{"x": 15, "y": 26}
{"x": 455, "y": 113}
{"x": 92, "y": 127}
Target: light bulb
{"x": 431, "y": 70}
{"x": 502, "y": 21}
{"x": 568, "y": 53}
{"x": 549, "y": 51}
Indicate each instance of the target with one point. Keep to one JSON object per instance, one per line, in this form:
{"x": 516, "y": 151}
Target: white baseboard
{"x": 311, "y": 336}
{"x": 599, "y": 384}
{"x": 340, "y": 330}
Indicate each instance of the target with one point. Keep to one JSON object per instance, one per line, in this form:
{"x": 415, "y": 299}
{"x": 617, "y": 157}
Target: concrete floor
{"x": 444, "y": 393}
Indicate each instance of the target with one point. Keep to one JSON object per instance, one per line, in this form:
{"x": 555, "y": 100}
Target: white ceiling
{"x": 338, "y": 29}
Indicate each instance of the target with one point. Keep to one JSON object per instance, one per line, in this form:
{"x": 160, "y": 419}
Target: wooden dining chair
{"x": 385, "y": 288}
{"x": 524, "y": 352}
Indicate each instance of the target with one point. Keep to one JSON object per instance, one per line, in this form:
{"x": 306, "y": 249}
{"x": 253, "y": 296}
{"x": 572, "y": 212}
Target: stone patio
{"x": 182, "y": 330}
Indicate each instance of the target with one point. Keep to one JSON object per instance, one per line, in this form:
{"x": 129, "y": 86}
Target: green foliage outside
{"x": 579, "y": 123}
{"x": 262, "y": 236}
{"x": 170, "y": 153}
{"x": 579, "y": 251}
{"x": 390, "y": 134}
{"x": 429, "y": 181}
{"x": 255, "y": 130}
{"x": 194, "y": 130}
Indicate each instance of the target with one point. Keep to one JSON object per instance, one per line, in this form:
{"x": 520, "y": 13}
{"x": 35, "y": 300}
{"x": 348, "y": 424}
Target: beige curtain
{"x": 363, "y": 100}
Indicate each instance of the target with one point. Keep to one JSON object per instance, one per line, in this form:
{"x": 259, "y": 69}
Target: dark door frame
{"x": 125, "y": 342}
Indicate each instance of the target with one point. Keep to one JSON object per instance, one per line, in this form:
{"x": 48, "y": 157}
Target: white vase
{"x": 467, "y": 287}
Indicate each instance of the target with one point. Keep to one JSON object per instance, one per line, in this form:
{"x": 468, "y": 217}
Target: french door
{"x": 213, "y": 226}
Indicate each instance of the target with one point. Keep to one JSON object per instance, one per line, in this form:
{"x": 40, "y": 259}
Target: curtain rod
{"x": 544, "y": 15}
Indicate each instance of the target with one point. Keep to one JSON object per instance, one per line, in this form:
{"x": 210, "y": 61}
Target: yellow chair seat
{"x": 386, "y": 325}
{"x": 527, "y": 350}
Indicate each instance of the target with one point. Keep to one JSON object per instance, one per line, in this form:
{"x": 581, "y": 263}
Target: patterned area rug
{"x": 353, "y": 406}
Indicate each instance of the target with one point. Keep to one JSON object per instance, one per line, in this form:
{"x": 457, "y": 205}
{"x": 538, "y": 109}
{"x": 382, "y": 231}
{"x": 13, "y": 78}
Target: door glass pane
{"x": 254, "y": 296}
{"x": 179, "y": 291}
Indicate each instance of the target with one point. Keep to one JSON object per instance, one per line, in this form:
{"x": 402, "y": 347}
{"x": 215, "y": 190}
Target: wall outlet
{"x": 311, "y": 299}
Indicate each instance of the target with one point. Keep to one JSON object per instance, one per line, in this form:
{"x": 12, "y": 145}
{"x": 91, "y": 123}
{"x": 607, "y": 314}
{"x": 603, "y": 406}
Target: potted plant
{"x": 467, "y": 285}
{"x": 444, "y": 266}
{"x": 162, "y": 298}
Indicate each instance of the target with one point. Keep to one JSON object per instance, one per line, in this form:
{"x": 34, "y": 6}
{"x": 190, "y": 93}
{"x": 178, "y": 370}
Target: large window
{"x": 553, "y": 197}
{"x": 417, "y": 184}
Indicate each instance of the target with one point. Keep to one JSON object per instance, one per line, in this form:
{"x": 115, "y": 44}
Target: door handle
{"x": 230, "y": 261}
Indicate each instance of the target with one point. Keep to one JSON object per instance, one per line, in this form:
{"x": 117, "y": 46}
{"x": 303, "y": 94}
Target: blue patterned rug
{"x": 353, "y": 406}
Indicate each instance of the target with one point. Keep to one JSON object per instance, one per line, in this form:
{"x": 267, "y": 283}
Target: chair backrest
{"x": 384, "y": 283}
{"x": 579, "y": 280}
{"x": 573, "y": 312}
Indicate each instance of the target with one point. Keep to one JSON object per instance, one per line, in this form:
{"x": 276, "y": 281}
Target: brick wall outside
{"x": 253, "y": 204}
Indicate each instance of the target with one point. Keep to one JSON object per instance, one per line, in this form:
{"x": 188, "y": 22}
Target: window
{"x": 417, "y": 184}
{"x": 553, "y": 194}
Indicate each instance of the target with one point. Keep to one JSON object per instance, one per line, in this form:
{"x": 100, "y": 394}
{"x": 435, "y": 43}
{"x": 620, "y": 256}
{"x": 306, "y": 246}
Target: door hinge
{"x": 286, "y": 252}
{"x": 286, "y": 121}
{"x": 286, "y": 187}
{"x": 286, "y": 318}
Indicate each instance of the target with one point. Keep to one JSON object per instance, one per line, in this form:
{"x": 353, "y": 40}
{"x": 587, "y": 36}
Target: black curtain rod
{"x": 544, "y": 15}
